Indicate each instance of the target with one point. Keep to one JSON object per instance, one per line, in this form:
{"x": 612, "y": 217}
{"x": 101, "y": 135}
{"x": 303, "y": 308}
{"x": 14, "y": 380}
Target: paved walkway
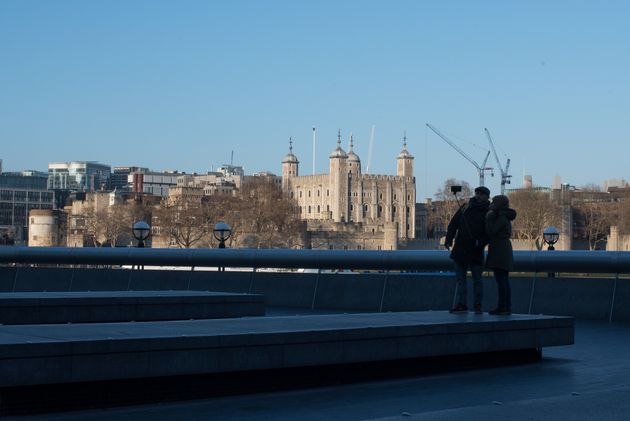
{"x": 582, "y": 382}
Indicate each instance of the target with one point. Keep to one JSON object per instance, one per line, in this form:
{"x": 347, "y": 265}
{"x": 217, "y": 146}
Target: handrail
{"x": 428, "y": 260}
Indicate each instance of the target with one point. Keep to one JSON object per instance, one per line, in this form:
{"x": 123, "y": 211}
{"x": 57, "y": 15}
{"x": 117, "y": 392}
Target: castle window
{"x": 408, "y": 197}
{"x": 394, "y": 209}
{"x": 351, "y": 208}
{"x": 394, "y": 197}
{"x": 309, "y": 209}
{"x": 300, "y": 193}
{"x": 318, "y": 209}
{"x": 327, "y": 193}
{"x": 317, "y": 193}
{"x": 291, "y": 195}
{"x": 309, "y": 193}
{"x": 380, "y": 196}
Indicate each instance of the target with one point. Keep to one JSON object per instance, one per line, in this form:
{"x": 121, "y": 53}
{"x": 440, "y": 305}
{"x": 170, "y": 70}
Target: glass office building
{"x": 19, "y": 193}
{"x": 80, "y": 176}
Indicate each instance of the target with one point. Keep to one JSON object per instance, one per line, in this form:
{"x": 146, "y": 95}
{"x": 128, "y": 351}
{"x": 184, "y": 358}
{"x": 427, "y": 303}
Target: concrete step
{"x": 125, "y": 306}
{"x": 50, "y": 354}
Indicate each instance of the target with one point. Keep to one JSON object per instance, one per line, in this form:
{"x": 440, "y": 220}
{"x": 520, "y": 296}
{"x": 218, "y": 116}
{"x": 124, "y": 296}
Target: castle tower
{"x": 405, "y": 203}
{"x": 354, "y": 163}
{"x": 290, "y": 165}
{"x": 339, "y": 183}
{"x": 355, "y": 185}
{"x": 404, "y": 167}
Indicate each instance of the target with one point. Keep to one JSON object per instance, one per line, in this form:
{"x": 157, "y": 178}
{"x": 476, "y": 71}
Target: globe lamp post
{"x": 222, "y": 233}
{"x": 141, "y": 231}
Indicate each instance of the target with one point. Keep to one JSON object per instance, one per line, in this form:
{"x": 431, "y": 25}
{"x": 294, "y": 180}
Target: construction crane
{"x": 481, "y": 169}
{"x": 505, "y": 177}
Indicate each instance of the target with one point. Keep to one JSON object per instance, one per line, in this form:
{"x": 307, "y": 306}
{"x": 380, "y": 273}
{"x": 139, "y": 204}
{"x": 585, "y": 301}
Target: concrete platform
{"x": 125, "y": 306}
{"x": 52, "y": 354}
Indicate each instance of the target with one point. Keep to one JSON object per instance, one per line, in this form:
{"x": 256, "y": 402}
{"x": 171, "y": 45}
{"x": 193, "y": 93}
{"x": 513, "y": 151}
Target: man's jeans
{"x": 462, "y": 291}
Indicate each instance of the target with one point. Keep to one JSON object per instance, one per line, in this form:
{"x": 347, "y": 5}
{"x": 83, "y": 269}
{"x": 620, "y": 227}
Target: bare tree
{"x": 94, "y": 225}
{"x": 184, "y": 222}
{"x": 536, "y": 211}
{"x": 597, "y": 217}
{"x": 441, "y": 211}
{"x": 117, "y": 222}
{"x": 622, "y": 215}
{"x": 260, "y": 216}
{"x": 270, "y": 218}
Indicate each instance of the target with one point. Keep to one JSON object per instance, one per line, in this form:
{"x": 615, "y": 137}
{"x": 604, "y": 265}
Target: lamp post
{"x": 141, "y": 231}
{"x": 222, "y": 233}
{"x": 551, "y": 236}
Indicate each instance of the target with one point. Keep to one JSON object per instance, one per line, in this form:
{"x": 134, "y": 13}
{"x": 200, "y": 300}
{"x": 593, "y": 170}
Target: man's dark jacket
{"x": 467, "y": 228}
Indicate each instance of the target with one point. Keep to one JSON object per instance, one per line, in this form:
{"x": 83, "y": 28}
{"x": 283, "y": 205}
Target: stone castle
{"x": 352, "y": 210}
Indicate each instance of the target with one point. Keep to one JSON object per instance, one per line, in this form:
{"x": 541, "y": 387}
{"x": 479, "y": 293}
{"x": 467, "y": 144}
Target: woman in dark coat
{"x": 498, "y": 231}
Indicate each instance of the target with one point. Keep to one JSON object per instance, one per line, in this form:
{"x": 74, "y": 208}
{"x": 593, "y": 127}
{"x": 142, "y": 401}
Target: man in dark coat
{"x": 500, "y": 257}
{"x": 467, "y": 231}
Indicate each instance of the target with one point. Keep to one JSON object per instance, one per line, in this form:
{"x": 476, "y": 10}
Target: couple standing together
{"x": 476, "y": 224}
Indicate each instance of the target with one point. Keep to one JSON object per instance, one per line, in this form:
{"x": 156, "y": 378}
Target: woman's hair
{"x": 500, "y": 202}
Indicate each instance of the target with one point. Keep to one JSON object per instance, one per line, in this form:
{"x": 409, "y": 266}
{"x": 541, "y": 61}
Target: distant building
{"x": 47, "y": 228}
{"x": 615, "y": 183}
{"x": 20, "y": 192}
{"x": 189, "y": 194}
{"x": 81, "y": 176}
{"x": 229, "y": 181}
{"x": 382, "y": 207}
{"x": 232, "y": 170}
{"x": 152, "y": 183}
{"x": 119, "y": 180}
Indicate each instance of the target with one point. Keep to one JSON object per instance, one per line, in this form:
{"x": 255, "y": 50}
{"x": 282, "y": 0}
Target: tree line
{"x": 593, "y": 214}
{"x": 260, "y": 216}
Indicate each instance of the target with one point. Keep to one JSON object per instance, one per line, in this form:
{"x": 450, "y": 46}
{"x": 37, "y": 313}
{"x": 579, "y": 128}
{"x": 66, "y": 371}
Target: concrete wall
{"x": 588, "y": 298}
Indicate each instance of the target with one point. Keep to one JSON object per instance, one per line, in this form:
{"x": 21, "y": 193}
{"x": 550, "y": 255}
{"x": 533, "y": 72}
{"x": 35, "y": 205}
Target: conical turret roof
{"x": 290, "y": 158}
{"x": 352, "y": 157}
{"x": 338, "y": 152}
{"x": 404, "y": 154}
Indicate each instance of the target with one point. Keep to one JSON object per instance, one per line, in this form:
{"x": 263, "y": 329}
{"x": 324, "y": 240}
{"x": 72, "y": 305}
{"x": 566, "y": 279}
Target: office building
{"x": 82, "y": 176}
{"x": 21, "y": 192}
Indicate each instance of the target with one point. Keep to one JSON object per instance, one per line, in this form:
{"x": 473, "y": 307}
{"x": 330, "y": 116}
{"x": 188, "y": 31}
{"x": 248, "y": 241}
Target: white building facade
{"x": 381, "y": 204}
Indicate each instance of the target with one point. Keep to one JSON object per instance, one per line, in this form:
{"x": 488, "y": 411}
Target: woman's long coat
{"x": 498, "y": 232}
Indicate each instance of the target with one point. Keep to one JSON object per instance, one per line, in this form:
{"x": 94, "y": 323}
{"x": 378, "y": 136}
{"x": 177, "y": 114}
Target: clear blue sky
{"x": 180, "y": 84}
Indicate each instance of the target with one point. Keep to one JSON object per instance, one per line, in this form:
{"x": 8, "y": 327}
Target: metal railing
{"x": 614, "y": 262}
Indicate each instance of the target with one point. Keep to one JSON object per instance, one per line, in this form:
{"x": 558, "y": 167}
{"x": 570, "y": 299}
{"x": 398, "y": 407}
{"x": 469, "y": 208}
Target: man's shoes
{"x": 500, "y": 312}
{"x": 478, "y": 308}
{"x": 459, "y": 308}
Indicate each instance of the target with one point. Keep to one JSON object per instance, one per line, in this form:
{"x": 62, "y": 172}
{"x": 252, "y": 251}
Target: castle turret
{"x": 339, "y": 182}
{"x": 353, "y": 161}
{"x": 404, "y": 167}
{"x": 290, "y": 165}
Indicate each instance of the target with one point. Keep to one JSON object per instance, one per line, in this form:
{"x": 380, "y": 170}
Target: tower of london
{"x": 352, "y": 210}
